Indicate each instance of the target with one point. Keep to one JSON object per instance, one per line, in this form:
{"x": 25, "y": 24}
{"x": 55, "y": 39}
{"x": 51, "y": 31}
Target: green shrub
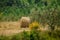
{"x": 25, "y": 35}
{"x": 16, "y": 37}
{"x": 4, "y": 37}
{"x": 21, "y": 36}
{"x": 34, "y": 35}
{"x": 56, "y": 34}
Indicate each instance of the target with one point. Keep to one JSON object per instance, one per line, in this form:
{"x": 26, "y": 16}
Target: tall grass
{"x": 33, "y": 35}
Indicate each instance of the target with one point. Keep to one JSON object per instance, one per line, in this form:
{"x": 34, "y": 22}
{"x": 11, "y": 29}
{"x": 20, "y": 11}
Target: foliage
{"x": 21, "y": 36}
{"x": 43, "y": 11}
{"x": 14, "y": 9}
{"x": 33, "y": 35}
{"x": 34, "y": 25}
{"x": 4, "y": 37}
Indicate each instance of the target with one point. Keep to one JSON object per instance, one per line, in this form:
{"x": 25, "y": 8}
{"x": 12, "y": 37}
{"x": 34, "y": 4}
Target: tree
{"x": 51, "y": 15}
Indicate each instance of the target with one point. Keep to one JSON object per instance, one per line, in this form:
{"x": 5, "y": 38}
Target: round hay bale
{"x": 24, "y": 22}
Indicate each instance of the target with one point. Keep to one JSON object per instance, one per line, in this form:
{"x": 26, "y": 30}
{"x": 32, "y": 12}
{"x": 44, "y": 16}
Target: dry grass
{"x": 12, "y": 31}
{"x": 9, "y": 25}
{"x": 10, "y": 28}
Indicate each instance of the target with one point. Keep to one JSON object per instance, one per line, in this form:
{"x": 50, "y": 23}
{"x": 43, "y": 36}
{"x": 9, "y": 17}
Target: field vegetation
{"x": 44, "y": 23}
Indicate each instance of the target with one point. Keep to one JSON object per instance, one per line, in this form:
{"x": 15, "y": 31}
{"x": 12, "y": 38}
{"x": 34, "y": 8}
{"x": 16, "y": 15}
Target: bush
{"x": 4, "y": 37}
{"x": 35, "y": 35}
{"x": 15, "y": 37}
{"x": 34, "y": 25}
{"x": 56, "y": 33}
{"x": 25, "y": 35}
{"x": 21, "y": 36}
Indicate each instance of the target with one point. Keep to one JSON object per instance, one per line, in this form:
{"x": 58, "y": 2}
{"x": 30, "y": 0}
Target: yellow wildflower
{"x": 34, "y": 25}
